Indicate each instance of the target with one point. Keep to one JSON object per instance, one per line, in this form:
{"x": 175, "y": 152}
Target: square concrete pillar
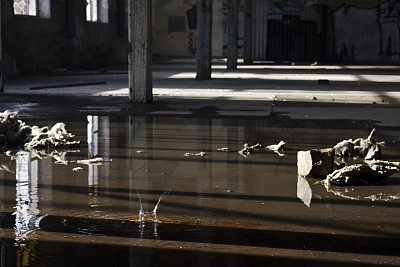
{"x": 204, "y": 32}
{"x": 140, "y": 65}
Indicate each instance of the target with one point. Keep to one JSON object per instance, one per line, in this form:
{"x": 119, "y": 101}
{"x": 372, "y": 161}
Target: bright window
{"x": 91, "y": 10}
{"x": 97, "y": 10}
{"x": 25, "y": 7}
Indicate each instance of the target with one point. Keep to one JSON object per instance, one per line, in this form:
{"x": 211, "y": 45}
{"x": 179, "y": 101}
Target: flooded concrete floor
{"x": 148, "y": 204}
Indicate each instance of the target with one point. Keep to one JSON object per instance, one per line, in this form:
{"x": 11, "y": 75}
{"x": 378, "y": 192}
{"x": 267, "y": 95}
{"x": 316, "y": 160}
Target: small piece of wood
{"x": 315, "y": 162}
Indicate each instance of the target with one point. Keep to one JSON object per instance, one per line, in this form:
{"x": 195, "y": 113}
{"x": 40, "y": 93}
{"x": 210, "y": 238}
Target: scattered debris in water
{"x": 95, "y": 161}
{"x": 77, "y": 169}
{"x": 225, "y": 149}
{"x": 278, "y": 148}
{"x": 201, "y": 154}
{"x": 247, "y": 150}
{"x": 6, "y": 168}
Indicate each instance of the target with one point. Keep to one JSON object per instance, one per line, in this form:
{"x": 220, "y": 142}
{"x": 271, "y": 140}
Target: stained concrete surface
{"x": 220, "y": 209}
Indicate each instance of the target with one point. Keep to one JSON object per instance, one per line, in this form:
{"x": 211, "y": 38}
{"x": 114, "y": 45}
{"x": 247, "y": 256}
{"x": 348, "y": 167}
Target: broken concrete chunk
{"x": 315, "y": 162}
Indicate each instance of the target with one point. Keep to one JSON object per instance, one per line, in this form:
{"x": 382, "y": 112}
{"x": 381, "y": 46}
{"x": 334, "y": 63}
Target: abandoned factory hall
{"x": 199, "y": 133}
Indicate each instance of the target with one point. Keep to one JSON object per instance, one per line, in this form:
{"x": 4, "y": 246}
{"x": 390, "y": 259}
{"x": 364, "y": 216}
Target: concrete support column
{"x": 204, "y": 32}
{"x": 248, "y": 23}
{"x": 232, "y": 25}
{"x": 140, "y": 50}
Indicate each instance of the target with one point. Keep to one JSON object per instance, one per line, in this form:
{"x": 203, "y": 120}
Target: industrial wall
{"x": 175, "y": 25}
{"x": 359, "y": 31}
{"x": 60, "y": 37}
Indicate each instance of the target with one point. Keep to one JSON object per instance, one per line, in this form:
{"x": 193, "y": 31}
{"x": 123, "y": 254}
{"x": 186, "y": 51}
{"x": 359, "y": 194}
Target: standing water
{"x": 175, "y": 191}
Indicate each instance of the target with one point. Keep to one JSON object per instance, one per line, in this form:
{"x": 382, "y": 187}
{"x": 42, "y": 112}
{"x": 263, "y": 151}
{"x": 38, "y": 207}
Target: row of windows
{"x": 96, "y": 10}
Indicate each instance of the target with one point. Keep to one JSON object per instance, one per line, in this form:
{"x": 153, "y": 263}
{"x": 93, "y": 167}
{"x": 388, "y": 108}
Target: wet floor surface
{"x": 149, "y": 204}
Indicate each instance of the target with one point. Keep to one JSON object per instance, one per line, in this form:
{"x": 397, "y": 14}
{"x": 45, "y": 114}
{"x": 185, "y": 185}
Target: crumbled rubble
{"x": 247, "y": 150}
{"x": 364, "y": 166}
{"x": 366, "y": 148}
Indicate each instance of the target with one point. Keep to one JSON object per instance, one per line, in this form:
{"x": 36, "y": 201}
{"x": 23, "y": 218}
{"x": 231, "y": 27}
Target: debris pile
{"x": 56, "y": 137}
{"x": 365, "y": 173}
{"x": 365, "y": 148}
{"x": 15, "y": 133}
{"x": 370, "y": 170}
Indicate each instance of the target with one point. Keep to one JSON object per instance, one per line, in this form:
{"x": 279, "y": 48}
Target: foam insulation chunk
{"x": 366, "y": 148}
{"x": 15, "y": 133}
{"x": 368, "y": 172}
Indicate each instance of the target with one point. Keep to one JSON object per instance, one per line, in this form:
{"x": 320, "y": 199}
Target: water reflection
{"x": 97, "y": 129}
{"x": 304, "y": 192}
{"x": 27, "y": 214}
{"x": 138, "y": 173}
{"x": 374, "y": 193}
{"x": 150, "y": 189}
